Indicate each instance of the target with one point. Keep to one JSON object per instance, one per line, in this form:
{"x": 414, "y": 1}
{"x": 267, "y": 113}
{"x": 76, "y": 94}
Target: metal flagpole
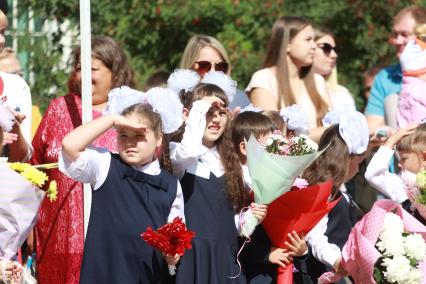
{"x": 86, "y": 90}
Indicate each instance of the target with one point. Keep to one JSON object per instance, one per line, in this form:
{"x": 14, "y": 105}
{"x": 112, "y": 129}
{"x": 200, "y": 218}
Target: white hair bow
{"x": 353, "y": 127}
{"x": 163, "y": 101}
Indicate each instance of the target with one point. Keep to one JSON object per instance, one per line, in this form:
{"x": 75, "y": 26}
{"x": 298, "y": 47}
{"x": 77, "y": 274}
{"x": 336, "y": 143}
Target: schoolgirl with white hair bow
{"x": 211, "y": 178}
{"x": 131, "y": 191}
{"x": 345, "y": 142}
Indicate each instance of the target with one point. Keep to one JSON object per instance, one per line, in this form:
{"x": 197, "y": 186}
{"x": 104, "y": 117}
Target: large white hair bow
{"x": 167, "y": 103}
{"x": 223, "y": 81}
{"x": 295, "y": 119}
{"x": 163, "y": 101}
{"x": 183, "y": 79}
{"x": 353, "y": 127}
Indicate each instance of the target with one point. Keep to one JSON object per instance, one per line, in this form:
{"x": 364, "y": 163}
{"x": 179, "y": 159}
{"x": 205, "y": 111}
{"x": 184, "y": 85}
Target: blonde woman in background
{"x": 204, "y": 53}
{"x": 287, "y": 77}
{"x": 325, "y": 65}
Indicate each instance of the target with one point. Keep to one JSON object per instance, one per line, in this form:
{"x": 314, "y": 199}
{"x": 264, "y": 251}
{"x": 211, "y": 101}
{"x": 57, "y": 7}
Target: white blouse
{"x": 190, "y": 155}
{"x": 378, "y": 175}
{"x": 92, "y": 167}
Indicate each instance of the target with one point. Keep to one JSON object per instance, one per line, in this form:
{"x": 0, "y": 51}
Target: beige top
{"x": 340, "y": 96}
{"x": 266, "y": 79}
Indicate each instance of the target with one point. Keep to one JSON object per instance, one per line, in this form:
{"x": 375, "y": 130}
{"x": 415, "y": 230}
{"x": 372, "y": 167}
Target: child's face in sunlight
{"x": 137, "y": 148}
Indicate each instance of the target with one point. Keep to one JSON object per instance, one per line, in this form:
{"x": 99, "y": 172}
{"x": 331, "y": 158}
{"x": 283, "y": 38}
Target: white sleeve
{"x": 240, "y": 220}
{"x": 378, "y": 175}
{"x": 186, "y": 153}
{"x": 322, "y": 250}
{"x": 26, "y": 108}
{"x": 177, "y": 206}
{"x": 92, "y": 166}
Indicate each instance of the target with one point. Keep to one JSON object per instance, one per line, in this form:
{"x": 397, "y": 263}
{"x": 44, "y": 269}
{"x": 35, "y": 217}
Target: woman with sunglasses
{"x": 204, "y": 53}
{"x": 325, "y": 65}
{"x": 287, "y": 77}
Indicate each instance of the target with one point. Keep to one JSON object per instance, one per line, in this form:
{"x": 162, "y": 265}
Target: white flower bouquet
{"x": 401, "y": 253}
{"x": 386, "y": 246}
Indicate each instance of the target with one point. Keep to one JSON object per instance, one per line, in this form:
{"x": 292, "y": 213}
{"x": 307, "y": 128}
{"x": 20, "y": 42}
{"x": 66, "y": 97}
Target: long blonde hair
{"x": 283, "y": 32}
{"x": 193, "y": 49}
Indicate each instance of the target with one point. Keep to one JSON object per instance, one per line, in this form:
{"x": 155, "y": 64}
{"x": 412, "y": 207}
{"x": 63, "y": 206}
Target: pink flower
{"x": 300, "y": 183}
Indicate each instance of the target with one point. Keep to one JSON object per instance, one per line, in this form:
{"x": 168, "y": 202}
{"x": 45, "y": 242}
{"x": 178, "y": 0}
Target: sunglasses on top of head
{"x": 206, "y": 66}
{"x": 326, "y": 48}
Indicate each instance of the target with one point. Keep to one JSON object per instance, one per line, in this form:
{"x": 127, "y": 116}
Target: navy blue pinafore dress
{"x": 208, "y": 212}
{"x": 122, "y": 208}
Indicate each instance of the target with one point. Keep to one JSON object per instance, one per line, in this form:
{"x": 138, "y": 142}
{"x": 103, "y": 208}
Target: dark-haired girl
{"x": 213, "y": 189}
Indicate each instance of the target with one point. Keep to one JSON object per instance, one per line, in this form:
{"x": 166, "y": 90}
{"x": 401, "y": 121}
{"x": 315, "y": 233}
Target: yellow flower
{"x": 52, "y": 192}
{"x": 18, "y": 167}
{"x": 35, "y": 176}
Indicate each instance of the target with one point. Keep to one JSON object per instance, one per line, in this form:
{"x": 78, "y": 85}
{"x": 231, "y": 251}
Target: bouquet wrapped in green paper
{"x": 274, "y": 166}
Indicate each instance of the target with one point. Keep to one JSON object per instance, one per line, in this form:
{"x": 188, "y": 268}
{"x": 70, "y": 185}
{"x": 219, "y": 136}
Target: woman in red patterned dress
{"x": 60, "y": 229}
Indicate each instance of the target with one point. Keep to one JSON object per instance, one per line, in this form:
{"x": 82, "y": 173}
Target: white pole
{"x": 86, "y": 90}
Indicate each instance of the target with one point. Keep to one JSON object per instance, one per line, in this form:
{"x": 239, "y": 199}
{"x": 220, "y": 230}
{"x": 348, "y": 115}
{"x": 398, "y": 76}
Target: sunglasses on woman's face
{"x": 205, "y": 66}
{"x": 327, "y": 48}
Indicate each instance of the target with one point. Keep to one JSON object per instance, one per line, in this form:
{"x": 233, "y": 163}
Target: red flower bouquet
{"x": 171, "y": 239}
{"x": 297, "y": 210}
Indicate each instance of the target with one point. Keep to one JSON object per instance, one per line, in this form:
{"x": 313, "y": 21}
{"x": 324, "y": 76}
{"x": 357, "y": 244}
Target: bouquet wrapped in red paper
{"x": 297, "y": 210}
{"x": 171, "y": 239}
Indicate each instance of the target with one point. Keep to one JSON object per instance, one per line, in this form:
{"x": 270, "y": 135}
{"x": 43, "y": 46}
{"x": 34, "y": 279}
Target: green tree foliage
{"x": 154, "y": 33}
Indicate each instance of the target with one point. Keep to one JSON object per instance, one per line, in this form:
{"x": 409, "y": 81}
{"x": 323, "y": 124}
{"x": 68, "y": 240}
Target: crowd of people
{"x": 182, "y": 152}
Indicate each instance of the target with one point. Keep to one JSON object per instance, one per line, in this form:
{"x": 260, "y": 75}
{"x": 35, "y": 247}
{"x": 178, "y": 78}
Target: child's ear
{"x": 243, "y": 150}
{"x": 424, "y": 160}
{"x": 185, "y": 114}
{"x": 159, "y": 140}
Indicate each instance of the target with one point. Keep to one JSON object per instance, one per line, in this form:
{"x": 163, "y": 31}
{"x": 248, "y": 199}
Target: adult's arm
{"x": 262, "y": 98}
{"x": 375, "y": 109}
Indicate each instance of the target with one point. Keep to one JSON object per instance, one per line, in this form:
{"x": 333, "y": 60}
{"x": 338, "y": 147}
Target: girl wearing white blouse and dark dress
{"x": 213, "y": 188}
{"x": 345, "y": 144}
{"x": 130, "y": 193}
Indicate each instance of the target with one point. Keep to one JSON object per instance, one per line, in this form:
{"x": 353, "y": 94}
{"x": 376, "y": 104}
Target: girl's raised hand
{"x": 279, "y": 256}
{"x": 259, "y": 211}
{"x": 397, "y": 136}
{"x": 214, "y": 101}
{"x": 297, "y": 245}
{"x": 124, "y": 122}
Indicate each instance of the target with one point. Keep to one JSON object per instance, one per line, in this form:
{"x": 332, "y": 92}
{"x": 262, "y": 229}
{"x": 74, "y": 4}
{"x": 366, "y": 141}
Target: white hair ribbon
{"x": 295, "y": 119}
{"x": 353, "y": 128}
{"x": 223, "y": 81}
